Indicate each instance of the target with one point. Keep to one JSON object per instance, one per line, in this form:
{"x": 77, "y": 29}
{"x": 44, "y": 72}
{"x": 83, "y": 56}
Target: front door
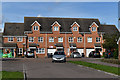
{"x": 12, "y": 50}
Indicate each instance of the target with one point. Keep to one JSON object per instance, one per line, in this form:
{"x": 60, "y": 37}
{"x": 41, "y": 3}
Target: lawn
{"x": 12, "y": 75}
{"x": 114, "y": 70}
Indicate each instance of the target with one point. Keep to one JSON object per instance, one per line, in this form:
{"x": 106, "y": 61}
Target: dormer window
{"x": 75, "y": 28}
{"x": 35, "y": 28}
{"x": 93, "y": 28}
{"x": 55, "y": 28}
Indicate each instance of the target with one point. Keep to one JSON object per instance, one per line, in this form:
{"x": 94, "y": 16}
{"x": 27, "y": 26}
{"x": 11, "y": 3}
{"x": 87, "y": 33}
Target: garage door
{"x": 51, "y": 51}
{"x": 80, "y": 50}
{"x": 88, "y": 51}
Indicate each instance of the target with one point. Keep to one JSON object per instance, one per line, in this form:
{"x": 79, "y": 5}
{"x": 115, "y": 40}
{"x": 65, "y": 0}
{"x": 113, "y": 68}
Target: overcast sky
{"x": 106, "y": 12}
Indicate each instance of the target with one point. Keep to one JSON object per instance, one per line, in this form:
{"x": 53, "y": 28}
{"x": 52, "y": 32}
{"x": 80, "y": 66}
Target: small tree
{"x": 110, "y": 42}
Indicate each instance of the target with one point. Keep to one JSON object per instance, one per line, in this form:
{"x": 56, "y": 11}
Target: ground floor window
{"x": 40, "y": 50}
{"x": 19, "y": 50}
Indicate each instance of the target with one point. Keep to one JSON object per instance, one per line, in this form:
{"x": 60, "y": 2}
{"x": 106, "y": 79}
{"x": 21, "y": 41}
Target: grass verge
{"x": 110, "y": 69}
{"x": 12, "y": 75}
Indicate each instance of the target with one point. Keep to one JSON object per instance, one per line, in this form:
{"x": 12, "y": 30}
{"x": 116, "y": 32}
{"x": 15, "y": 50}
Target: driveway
{"x": 44, "y": 68}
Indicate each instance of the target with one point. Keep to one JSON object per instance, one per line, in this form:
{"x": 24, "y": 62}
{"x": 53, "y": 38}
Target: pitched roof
{"x": 65, "y": 23}
{"x": 109, "y": 29}
{"x": 13, "y": 29}
{"x": 10, "y": 45}
{"x": 17, "y": 29}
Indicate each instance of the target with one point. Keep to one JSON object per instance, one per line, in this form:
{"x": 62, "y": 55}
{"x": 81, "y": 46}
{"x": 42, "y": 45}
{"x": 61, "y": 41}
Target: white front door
{"x": 88, "y": 52}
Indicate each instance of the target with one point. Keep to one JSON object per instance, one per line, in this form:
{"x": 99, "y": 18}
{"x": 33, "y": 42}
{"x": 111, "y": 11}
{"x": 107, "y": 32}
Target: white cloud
{"x": 39, "y": 15}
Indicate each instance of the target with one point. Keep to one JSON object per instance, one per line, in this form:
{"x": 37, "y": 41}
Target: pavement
{"x": 44, "y": 68}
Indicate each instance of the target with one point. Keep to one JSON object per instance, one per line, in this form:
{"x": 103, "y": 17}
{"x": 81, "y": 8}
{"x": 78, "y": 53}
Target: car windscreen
{"x": 75, "y": 52}
{"x": 59, "y": 53}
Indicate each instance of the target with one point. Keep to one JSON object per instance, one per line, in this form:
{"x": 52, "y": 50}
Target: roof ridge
{"x": 12, "y": 23}
{"x": 108, "y": 25}
{"x": 63, "y": 18}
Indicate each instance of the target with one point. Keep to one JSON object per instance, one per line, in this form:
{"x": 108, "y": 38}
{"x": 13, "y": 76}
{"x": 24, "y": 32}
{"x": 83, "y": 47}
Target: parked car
{"x": 75, "y": 55}
{"x": 49, "y": 55}
{"x": 83, "y": 55}
{"x": 108, "y": 55}
{"x": 94, "y": 54}
{"x": 30, "y": 54}
{"x": 59, "y": 56}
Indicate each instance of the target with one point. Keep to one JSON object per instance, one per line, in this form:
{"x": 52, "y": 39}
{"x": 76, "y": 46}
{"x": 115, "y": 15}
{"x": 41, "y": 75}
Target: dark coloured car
{"x": 49, "y": 55}
{"x": 94, "y": 54}
{"x": 30, "y": 54}
{"x": 59, "y": 56}
{"x": 75, "y": 55}
{"x": 108, "y": 55}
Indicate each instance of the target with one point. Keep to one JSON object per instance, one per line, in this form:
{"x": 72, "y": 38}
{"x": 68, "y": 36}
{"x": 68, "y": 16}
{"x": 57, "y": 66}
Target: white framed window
{"x": 40, "y": 50}
{"x": 19, "y": 39}
{"x": 93, "y": 28}
{"x": 55, "y": 28}
{"x": 31, "y": 39}
{"x": 79, "y": 39}
{"x": 40, "y": 39}
{"x": 60, "y": 39}
{"x": 75, "y": 28}
{"x": 51, "y": 39}
{"x": 97, "y": 39}
{"x": 35, "y": 28}
{"x": 89, "y": 39}
{"x": 70, "y": 39}
{"x": 20, "y": 50}
{"x": 10, "y": 39}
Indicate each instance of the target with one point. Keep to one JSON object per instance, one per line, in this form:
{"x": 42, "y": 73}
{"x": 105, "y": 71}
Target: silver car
{"x": 59, "y": 56}
{"x": 75, "y": 55}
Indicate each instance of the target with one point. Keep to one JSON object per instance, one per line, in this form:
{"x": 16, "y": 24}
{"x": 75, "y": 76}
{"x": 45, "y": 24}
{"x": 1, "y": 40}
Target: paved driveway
{"x": 44, "y": 68}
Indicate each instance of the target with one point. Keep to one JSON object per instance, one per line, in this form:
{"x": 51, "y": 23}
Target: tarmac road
{"x": 44, "y": 68}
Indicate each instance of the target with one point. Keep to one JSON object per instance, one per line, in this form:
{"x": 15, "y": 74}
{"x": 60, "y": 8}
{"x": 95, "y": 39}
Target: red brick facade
{"x": 84, "y": 45}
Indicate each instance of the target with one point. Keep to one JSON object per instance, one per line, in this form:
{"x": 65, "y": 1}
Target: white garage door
{"x": 88, "y": 51}
{"x": 80, "y": 50}
{"x": 51, "y": 51}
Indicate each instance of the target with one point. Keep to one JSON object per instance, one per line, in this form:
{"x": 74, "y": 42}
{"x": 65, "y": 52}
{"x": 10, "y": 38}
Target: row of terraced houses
{"x": 47, "y": 34}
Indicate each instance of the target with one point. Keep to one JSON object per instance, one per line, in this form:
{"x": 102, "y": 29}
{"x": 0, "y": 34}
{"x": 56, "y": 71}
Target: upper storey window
{"x": 55, "y": 28}
{"x": 93, "y": 28}
{"x": 19, "y": 39}
{"x": 10, "y": 39}
{"x": 35, "y": 28}
{"x": 51, "y": 39}
{"x": 70, "y": 39}
{"x": 31, "y": 39}
{"x": 89, "y": 39}
{"x": 75, "y": 28}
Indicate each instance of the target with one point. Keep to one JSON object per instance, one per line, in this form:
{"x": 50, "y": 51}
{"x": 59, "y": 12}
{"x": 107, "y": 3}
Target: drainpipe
{"x": 46, "y": 44}
{"x": 84, "y": 46}
{"x": 65, "y": 44}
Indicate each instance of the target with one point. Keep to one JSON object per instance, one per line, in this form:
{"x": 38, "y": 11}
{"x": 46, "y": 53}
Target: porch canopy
{"x": 59, "y": 45}
{"x": 33, "y": 45}
{"x": 9, "y": 45}
{"x": 72, "y": 45}
{"x": 97, "y": 45}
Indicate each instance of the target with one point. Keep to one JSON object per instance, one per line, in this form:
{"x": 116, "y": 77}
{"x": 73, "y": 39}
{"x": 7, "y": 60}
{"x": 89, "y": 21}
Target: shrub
{"x": 114, "y": 61}
{"x": 115, "y": 54}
